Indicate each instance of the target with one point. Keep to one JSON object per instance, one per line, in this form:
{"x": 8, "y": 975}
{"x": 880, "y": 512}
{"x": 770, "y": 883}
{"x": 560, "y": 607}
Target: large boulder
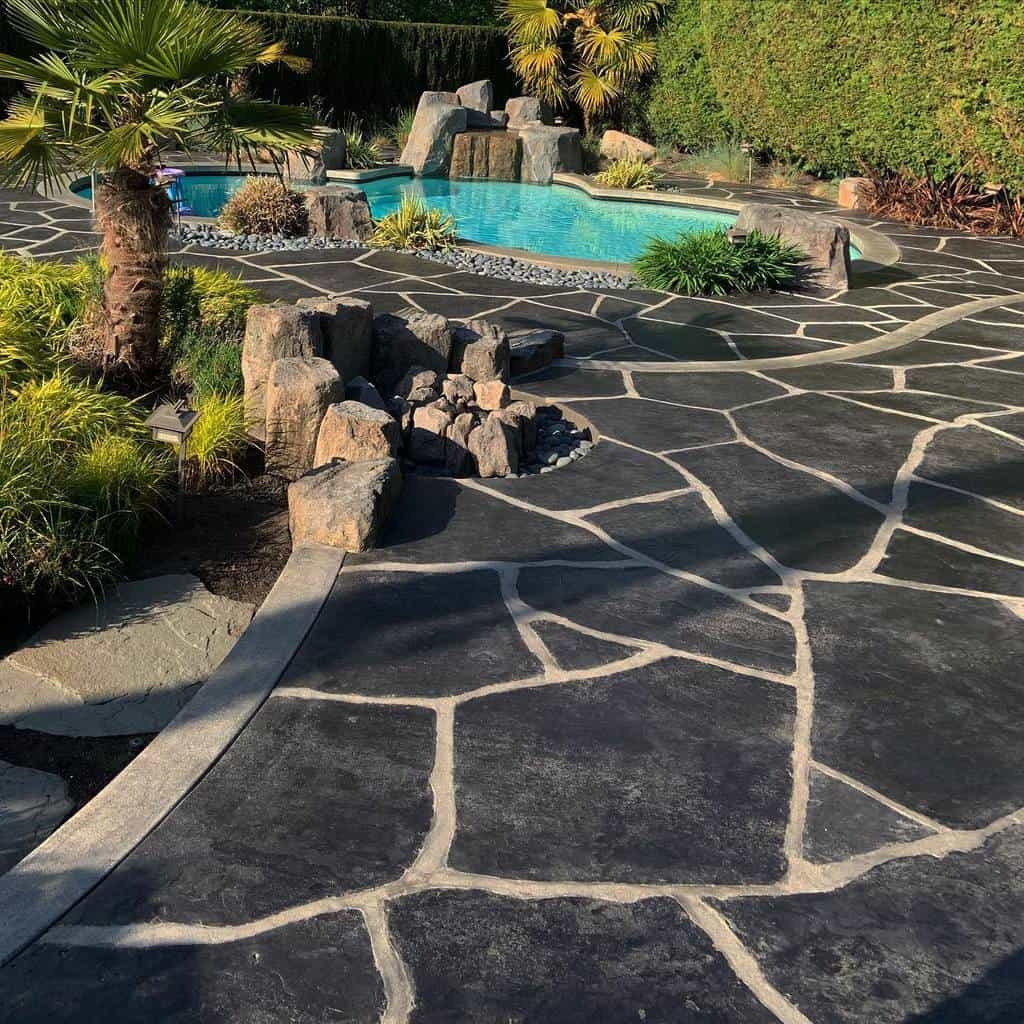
{"x": 438, "y": 99}
{"x": 527, "y": 110}
{"x": 547, "y": 150}
{"x": 344, "y": 504}
{"x": 477, "y": 95}
{"x": 494, "y": 155}
{"x": 424, "y": 339}
{"x": 346, "y": 325}
{"x": 429, "y": 148}
{"x": 620, "y": 146}
{"x": 495, "y": 447}
{"x": 304, "y": 168}
{"x": 274, "y": 332}
{"x": 334, "y": 151}
{"x": 825, "y": 241}
{"x": 339, "y": 212}
{"x": 480, "y": 350}
{"x": 855, "y": 193}
{"x": 356, "y": 432}
{"x": 299, "y": 391}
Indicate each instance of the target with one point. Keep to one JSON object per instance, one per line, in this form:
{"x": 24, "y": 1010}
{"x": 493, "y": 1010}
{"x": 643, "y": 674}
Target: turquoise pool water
{"x": 548, "y": 220}
{"x": 555, "y": 220}
{"x": 205, "y": 194}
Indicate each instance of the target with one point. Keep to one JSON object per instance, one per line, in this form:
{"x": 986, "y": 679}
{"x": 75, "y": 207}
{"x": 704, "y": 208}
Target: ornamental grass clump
{"x": 265, "y": 205}
{"x": 708, "y": 263}
{"x": 414, "y": 225}
{"x": 78, "y": 474}
{"x": 218, "y": 438}
{"x": 629, "y": 172}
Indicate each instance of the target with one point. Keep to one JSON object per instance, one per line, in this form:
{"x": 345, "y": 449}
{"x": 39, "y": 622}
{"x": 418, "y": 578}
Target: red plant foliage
{"x": 953, "y": 202}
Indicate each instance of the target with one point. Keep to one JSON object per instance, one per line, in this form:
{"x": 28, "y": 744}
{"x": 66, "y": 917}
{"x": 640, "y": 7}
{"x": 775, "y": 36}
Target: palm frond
{"x": 593, "y": 91}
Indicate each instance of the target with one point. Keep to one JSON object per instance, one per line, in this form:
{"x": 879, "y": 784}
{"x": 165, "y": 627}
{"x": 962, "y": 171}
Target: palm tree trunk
{"x": 135, "y": 218}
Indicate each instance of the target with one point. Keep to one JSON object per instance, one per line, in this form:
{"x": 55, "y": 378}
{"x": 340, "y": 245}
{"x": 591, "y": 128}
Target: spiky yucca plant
{"x": 581, "y": 51}
{"x": 630, "y": 172}
{"x": 117, "y": 83}
{"x": 414, "y": 225}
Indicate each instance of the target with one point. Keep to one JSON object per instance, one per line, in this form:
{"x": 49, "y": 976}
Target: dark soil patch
{"x": 235, "y": 539}
{"x": 85, "y": 763}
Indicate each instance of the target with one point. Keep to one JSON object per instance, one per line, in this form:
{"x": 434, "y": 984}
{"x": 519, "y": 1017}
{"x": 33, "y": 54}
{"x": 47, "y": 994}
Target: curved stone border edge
{"x": 913, "y": 331}
{"x": 40, "y": 889}
{"x": 875, "y": 248}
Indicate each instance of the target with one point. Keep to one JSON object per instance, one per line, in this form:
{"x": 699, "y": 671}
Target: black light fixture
{"x": 171, "y": 423}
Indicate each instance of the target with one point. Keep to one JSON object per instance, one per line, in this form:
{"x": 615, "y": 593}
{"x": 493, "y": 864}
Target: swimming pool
{"x": 551, "y": 220}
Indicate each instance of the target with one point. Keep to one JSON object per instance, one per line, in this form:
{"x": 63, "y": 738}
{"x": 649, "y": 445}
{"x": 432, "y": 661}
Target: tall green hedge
{"x": 917, "y": 85}
{"x": 460, "y": 12}
{"x": 367, "y": 66}
{"x": 926, "y": 86}
{"x": 682, "y": 108}
{"x": 364, "y": 66}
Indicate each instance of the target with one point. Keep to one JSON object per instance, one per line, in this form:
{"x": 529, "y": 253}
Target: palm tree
{"x": 117, "y": 83}
{"x": 579, "y": 51}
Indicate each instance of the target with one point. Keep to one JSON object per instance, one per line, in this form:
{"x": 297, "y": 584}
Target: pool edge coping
{"x": 875, "y": 248}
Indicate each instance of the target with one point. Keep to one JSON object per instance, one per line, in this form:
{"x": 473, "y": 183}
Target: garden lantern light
{"x": 171, "y": 423}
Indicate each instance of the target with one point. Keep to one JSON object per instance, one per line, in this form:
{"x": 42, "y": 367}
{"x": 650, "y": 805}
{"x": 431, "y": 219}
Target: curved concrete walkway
{"x": 722, "y": 723}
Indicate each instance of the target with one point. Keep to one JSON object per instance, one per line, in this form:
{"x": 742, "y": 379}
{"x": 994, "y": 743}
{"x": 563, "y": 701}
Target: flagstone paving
{"x": 723, "y": 723}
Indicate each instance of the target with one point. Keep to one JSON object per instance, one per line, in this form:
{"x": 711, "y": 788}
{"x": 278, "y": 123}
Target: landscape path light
{"x": 171, "y": 423}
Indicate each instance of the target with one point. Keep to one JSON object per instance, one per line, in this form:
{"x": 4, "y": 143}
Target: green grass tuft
{"x": 707, "y": 263}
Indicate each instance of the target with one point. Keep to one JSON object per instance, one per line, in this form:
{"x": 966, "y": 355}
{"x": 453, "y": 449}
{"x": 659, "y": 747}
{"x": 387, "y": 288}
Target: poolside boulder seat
{"x": 548, "y": 150}
{"x": 344, "y": 504}
{"x": 527, "y": 110}
{"x": 477, "y": 95}
{"x": 299, "y": 392}
{"x": 356, "y": 433}
{"x": 429, "y": 147}
{"x": 339, "y": 212}
{"x": 274, "y": 332}
{"x": 825, "y": 241}
{"x": 620, "y": 146}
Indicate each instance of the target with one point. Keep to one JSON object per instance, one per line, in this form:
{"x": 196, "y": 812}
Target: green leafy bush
{"x": 707, "y": 263}
{"x": 203, "y": 322}
{"x": 682, "y": 108}
{"x": 77, "y": 474}
{"x": 414, "y": 225}
{"x": 264, "y": 205}
{"x": 629, "y": 172}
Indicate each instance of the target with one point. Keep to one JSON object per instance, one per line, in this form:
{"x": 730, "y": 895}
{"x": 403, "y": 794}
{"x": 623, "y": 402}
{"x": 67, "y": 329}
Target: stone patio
{"x": 721, "y": 724}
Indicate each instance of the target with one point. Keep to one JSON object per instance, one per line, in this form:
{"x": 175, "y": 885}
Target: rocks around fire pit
{"x": 437, "y": 401}
{"x": 464, "y": 422}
